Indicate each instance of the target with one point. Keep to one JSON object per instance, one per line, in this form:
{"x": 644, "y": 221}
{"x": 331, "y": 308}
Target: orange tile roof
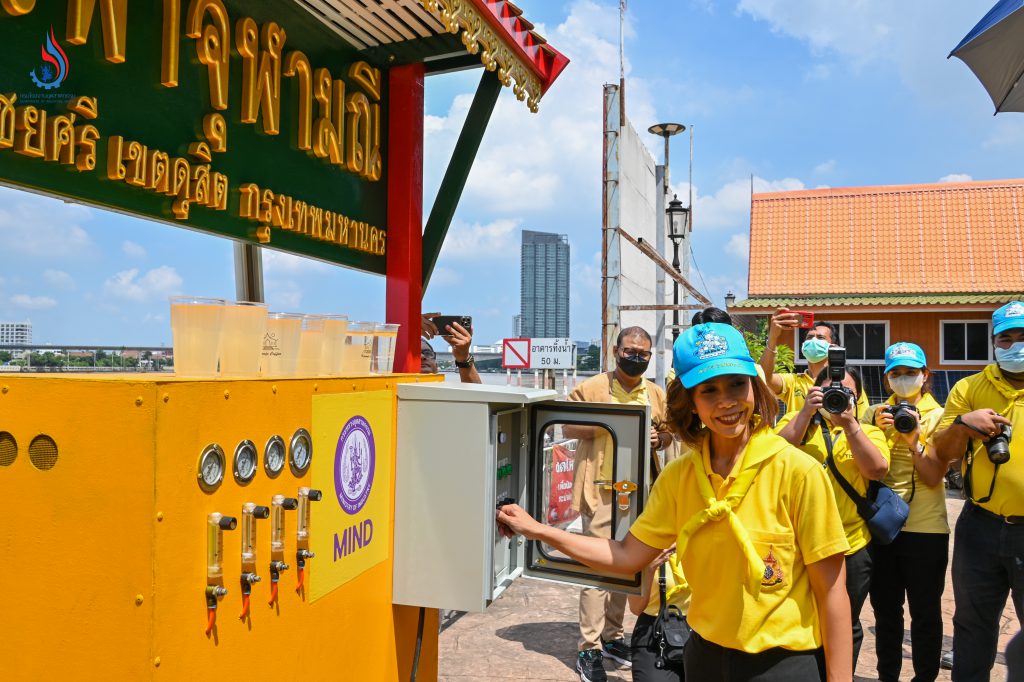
{"x": 935, "y": 238}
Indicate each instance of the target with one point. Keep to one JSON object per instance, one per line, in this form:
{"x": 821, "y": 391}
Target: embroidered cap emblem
{"x": 1014, "y": 310}
{"x": 902, "y": 350}
{"x": 773, "y": 574}
{"x": 711, "y": 345}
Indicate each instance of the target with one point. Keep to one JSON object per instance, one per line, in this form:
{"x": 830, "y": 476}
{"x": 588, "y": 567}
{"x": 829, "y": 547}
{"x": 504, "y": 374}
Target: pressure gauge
{"x": 274, "y": 456}
{"x": 301, "y": 452}
{"x": 246, "y": 462}
{"x": 211, "y": 467}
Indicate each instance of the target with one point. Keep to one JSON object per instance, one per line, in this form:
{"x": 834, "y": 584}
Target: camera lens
{"x": 835, "y": 399}
{"x": 999, "y": 447}
{"x": 904, "y": 422}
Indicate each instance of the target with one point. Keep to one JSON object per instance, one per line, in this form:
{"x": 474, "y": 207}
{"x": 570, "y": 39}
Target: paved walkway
{"x": 530, "y": 634}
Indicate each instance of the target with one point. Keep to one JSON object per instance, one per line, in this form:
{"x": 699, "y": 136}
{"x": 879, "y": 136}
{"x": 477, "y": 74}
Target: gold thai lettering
{"x": 7, "y": 120}
{"x": 358, "y": 147}
{"x": 158, "y": 176}
{"x": 116, "y": 170}
{"x": 181, "y": 177}
{"x": 219, "y": 192}
{"x": 329, "y": 230}
{"x": 17, "y": 8}
{"x": 60, "y": 139}
{"x": 266, "y": 206}
{"x": 342, "y": 232}
{"x": 135, "y": 164}
{"x": 366, "y": 77}
{"x": 316, "y": 222}
{"x": 86, "y": 107}
{"x": 213, "y": 46}
{"x": 216, "y": 131}
{"x": 362, "y": 141}
{"x": 300, "y": 212}
{"x": 200, "y": 151}
{"x": 261, "y": 72}
{"x": 199, "y": 189}
{"x": 86, "y": 137}
{"x": 327, "y": 137}
{"x": 296, "y": 65}
{"x": 30, "y": 131}
{"x": 113, "y": 17}
{"x": 170, "y": 43}
{"x": 249, "y": 206}
{"x": 281, "y": 214}
{"x": 262, "y": 234}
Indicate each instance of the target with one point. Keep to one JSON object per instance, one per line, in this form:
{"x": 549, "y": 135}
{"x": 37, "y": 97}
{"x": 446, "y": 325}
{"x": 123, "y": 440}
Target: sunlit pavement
{"x": 530, "y": 634}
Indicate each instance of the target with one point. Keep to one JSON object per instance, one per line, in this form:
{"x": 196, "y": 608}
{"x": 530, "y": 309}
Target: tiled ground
{"x": 530, "y": 634}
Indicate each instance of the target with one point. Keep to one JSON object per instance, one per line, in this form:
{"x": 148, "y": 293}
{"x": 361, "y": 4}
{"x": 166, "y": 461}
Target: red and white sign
{"x": 515, "y": 354}
{"x": 560, "y": 511}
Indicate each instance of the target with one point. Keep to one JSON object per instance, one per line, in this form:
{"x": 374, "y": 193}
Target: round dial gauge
{"x": 211, "y": 468}
{"x": 301, "y": 452}
{"x": 274, "y": 456}
{"x": 246, "y": 461}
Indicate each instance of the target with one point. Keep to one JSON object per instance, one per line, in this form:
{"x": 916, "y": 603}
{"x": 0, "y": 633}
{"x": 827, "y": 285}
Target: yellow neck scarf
{"x": 1000, "y": 384}
{"x": 716, "y": 510}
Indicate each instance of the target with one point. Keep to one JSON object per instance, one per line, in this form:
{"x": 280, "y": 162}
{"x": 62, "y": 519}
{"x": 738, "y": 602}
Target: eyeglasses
{"x": 637, "y": 355}
{"x": 427, "y": 354}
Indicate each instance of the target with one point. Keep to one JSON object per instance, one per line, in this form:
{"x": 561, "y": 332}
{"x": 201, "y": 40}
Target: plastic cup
{"x": 335, "y": 327}
{"x": 196, "y": 327}
{"x": 241, "y": 341}
{"x": 358, "y": 354}
{"x": 311, "y": 342}
{"x": 280, "y": 353}
{"x": 385, "y": 337}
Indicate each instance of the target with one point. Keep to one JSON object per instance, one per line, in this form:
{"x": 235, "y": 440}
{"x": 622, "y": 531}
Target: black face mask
{"x": 631, "y": 365}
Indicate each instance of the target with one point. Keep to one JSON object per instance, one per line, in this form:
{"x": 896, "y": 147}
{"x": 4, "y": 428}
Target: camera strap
{"x": 969, "y": 477}
{"x": 862, "y": 503}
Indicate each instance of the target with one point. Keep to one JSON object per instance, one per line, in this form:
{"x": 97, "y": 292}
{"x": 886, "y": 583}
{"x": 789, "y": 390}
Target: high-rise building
{"x": 15, "y": 333}
{"x": 544, "y": 285}
{"x": 517, "y": 326}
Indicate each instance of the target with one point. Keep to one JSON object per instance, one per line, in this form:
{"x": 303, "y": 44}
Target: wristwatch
{"x": 465, "y": 365}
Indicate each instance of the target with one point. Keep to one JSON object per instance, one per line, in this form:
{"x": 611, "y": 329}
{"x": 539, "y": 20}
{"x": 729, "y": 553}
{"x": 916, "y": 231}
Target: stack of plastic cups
{"x": 358, "y": 354}
{"x": 196, "y": 328}
{"x": 280, "y": 356}
{"x": 334, "y": 339}
{"x": 311, "y": 346}
{"x": 241, "y": 341}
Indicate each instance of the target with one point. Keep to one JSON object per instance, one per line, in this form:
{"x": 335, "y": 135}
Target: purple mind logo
{"x": 55, "y": 67}
{"x": 354, "y": 463}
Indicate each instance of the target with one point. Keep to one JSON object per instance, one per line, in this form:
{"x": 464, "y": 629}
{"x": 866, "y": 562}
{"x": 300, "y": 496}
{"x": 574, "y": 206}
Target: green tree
{"x": 756, "y": 342}
{"x": 5, "y": 356}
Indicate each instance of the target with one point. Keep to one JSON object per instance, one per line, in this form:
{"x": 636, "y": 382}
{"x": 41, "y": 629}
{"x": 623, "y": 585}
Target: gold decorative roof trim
{"x": 480, "y": 38}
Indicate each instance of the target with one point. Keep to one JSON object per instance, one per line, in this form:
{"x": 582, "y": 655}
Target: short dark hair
{"x": 685, "y": 423}
{"x": 833, "y": 329}
{"x": 711, "y": 314}
{"x": 631, "y": 332}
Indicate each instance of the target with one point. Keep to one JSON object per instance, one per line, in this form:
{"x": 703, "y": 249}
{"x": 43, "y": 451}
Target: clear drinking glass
{"x": 385, "y": 337}
{"x": 311, "y": 345}
{"x": 241, "y": 342}
{"x": 196, "y": 327}
{"x": 280, "y": 356}
{"x": 358, "y": 353}
{"x": 335, "y": 327}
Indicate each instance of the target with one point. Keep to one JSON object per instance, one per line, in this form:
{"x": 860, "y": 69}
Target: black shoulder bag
{"x": 885, "y": 512}
{"x": 671, "y": 631}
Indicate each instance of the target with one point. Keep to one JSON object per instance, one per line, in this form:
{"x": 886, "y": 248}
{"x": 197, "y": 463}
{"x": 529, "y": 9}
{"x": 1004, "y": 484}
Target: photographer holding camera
{"x": 860, "y": 455}
{"x": 988, "y": 552}
{"x": 913, "y": 566}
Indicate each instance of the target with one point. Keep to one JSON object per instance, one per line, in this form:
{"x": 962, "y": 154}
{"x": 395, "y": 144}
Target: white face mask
{"x": 906, "y": 386}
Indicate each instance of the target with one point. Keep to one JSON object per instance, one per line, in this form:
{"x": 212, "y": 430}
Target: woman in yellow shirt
{"x": 754, "y": 522}
{"x": 914, "y": 564}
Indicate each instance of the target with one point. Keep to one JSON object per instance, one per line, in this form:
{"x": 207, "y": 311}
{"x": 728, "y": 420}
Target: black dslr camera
{"x": 998, "y": 446}
{"x": 836, "y": 397}
{"x": 904, "y": 417}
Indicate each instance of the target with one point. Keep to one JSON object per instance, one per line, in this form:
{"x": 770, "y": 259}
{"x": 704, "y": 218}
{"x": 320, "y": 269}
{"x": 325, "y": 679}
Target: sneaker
{"x": 618, "y": 651}
{"x": 946, "y": 662}
{"x": 590, "y": 666}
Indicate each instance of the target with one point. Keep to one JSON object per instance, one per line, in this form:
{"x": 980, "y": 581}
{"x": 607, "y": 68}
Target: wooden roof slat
{"x": 391, "y": 34}
{"x": 410, "y": 18}
{"x": 340, "y": 23}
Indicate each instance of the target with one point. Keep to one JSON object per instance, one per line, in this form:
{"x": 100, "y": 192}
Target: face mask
{"x": 815, "y": 350}
{"x": 631, "y": 365}
{"x": 906, "y": 386}
{"x": 1011, "y": 359}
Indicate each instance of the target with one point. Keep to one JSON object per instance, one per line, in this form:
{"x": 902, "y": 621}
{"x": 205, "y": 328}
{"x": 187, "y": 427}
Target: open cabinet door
{"x": 562, "y": 433}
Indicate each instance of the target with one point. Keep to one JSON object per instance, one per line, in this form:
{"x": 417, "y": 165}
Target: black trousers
{"x": 709, "y": 662}
{"x": 914, "y": 566}
{"x": 858, "y": 584}
{"x": 645, "y": 654}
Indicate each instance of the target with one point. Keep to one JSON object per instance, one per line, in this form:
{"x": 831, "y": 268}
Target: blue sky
{"x": 797, "y": 93}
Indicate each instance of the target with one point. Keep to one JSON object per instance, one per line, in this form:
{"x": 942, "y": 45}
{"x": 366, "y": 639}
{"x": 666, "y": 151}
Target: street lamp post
{"x": 665, "y": 130}
{"x": 678, "y": 229}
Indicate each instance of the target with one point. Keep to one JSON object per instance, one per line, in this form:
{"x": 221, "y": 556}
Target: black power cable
{"x": 419, "y": 644}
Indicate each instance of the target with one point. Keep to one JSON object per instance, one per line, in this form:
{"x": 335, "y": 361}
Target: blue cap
{"x": 904, "y": 354}
{"x": 710, "y": 350}
{"x": 1010, "y": 316}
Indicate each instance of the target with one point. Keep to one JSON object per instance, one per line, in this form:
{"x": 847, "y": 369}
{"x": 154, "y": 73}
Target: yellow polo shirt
{"x": 677, "y": 592}
{"x": 928, "y": 506}
{"x": 790, "y": 515}
{"x": 854, "y": 525}
{"x": 638, "y": 396}
{"x": 795, "y": 388}
{"x": 989, "y": 389}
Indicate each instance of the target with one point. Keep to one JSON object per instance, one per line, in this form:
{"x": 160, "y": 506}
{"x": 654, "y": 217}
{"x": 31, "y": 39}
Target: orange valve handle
{"x": 245, "y": 607}
{"x": 302, "y": 579}
{"x": 211, "y": 619}
{"x": 273, "y": 593}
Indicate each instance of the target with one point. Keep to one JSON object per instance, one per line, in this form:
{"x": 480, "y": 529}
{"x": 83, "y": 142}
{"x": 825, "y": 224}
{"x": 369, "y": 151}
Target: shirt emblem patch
{"x": 773, "y": 574}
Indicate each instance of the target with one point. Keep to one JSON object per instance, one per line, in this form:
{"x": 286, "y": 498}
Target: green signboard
{"x": 250, "y": 120}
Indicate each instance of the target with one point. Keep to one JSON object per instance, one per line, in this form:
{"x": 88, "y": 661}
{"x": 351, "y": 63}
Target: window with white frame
{"x": 966, "y": 341}
{"x": 865, "y": 342}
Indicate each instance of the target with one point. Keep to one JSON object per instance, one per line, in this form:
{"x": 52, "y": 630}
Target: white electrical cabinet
{"x": 463, "y": 450}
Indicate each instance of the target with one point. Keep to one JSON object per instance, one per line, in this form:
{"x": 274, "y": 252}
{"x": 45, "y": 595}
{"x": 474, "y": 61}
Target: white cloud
{"x": 739, "y": 246}
{"x": 284, "y": 295}
{"x": 818, "y": 72}
{"x": 956, "y": 177}
{"x": 133, "y": 250}
{"x": 33, "y": 302}
{"x": 444, "y": 277}
{"x": 825, "y": 168}
{"x": 39, "y": 227}
{"x": 730, "y": 205}
{"x": 157, "y": 283}
{"x": 59, "y": 279}
{"x": 281, "y": 263}
{"x": 475, "y": 242}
